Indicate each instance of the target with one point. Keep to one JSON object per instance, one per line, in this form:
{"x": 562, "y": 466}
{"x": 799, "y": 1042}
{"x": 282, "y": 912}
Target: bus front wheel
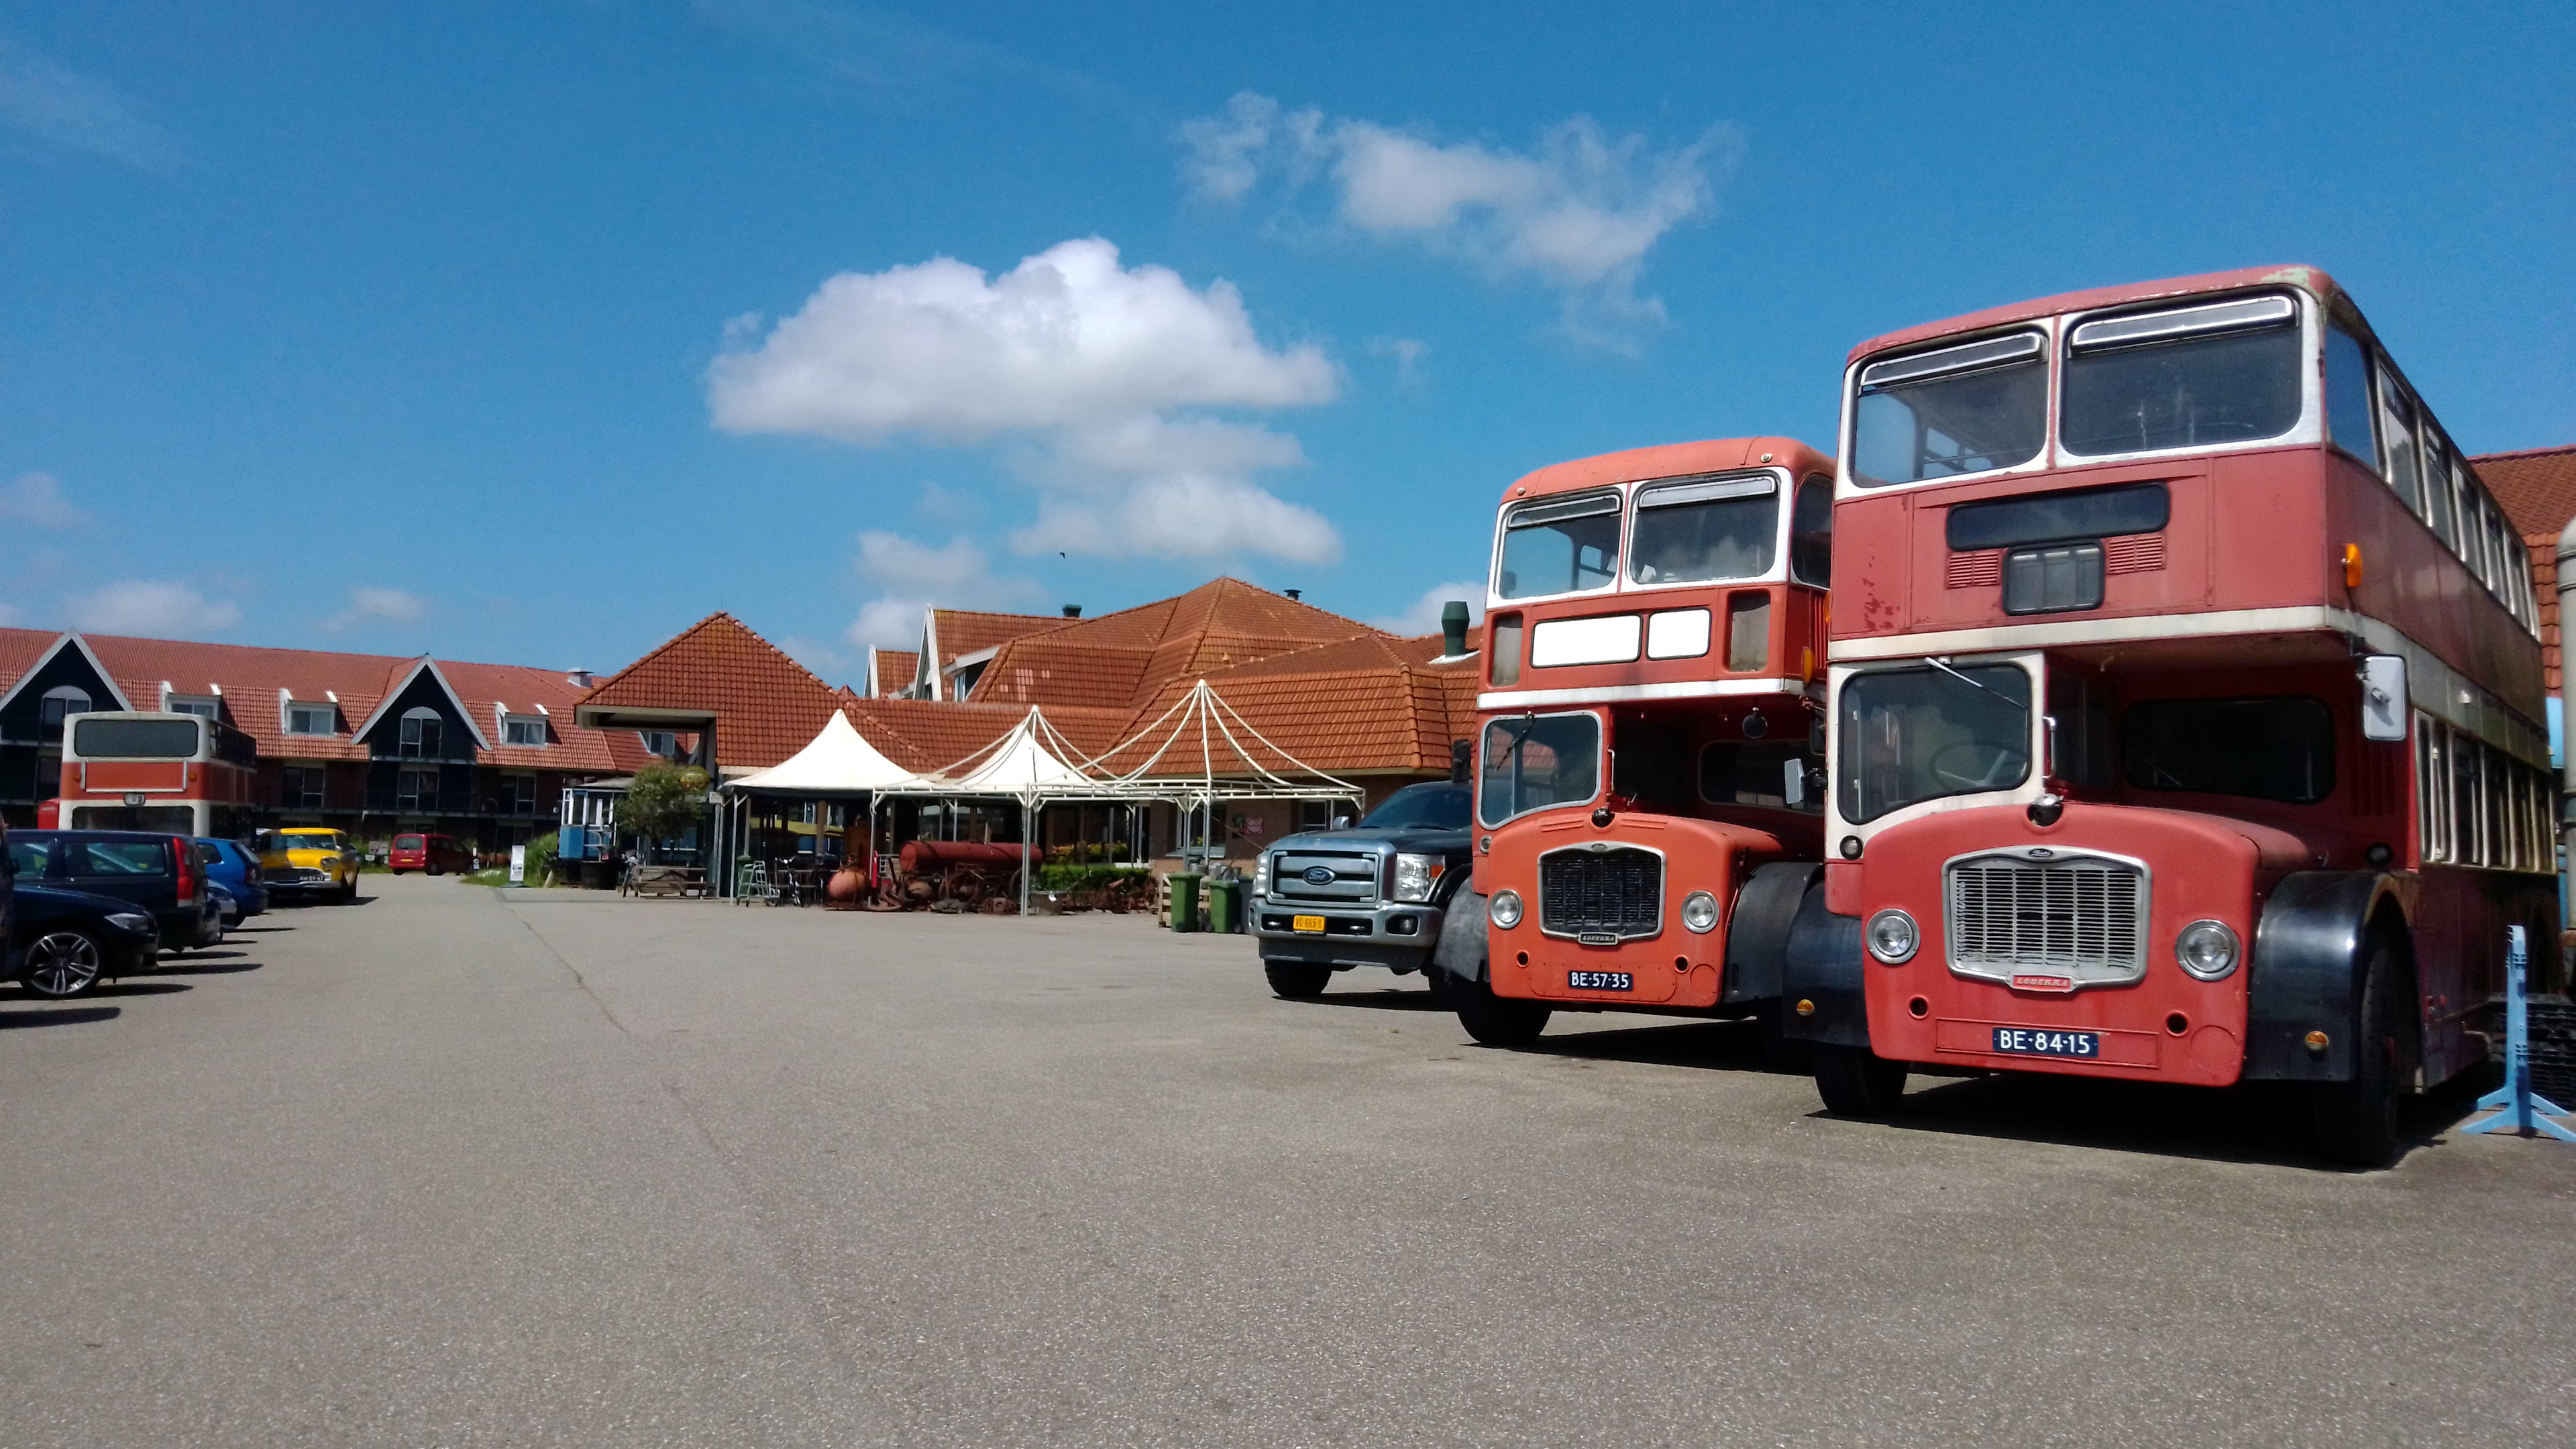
{"x": 2356, "y": 1120}
{"x": 1494, "y": 1020}
{"x": 1856, "y": 1082}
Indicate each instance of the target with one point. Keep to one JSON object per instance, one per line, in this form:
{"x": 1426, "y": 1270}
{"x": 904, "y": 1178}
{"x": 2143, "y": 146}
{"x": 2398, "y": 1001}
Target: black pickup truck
{"x": 1371, "y": 895}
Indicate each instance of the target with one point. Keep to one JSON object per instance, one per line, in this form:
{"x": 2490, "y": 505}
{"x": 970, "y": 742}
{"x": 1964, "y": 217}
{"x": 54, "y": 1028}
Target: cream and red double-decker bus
{"x": 1650, "y": 777}
{"x": 2186, "y": 718}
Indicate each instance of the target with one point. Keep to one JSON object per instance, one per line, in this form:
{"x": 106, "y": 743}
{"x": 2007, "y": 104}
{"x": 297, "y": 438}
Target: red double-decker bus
{"x": 157, "y": 770}
{"x": 2186, "y": 710}
{"x": 1650, "y": 777}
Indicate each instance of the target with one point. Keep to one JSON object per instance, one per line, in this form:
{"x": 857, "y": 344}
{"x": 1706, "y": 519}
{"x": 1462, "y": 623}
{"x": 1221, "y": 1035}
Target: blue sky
{"x": 533, "y": 332}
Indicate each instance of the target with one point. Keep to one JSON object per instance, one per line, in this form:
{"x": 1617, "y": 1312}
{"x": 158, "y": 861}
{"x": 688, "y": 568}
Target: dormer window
{"x": 202, "y": 706}
{"x": 312, "y": 719}
{"x": 662, "y": 743}
{"x": 421, "y": 731}
{"x": 527, "y": 730}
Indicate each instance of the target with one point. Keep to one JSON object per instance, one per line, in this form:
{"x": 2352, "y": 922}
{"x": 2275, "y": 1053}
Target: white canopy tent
{"x": 837, "y": 764}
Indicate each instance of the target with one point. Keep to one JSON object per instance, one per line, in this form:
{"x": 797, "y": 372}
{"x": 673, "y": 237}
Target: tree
{"x": 665, "y": 799}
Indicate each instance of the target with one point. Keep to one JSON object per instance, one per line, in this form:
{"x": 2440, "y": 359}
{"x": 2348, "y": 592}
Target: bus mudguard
{"x": 2304, "y": 974}
{"x": 1461, "y": 949}
{"x": 1822, "y": 970}
{"x": 1757, "y": 933}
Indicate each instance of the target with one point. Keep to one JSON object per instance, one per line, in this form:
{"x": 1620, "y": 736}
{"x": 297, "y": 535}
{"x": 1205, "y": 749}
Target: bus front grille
{"x": 1617, "y": 893}
{"x": 2079, "y": 918}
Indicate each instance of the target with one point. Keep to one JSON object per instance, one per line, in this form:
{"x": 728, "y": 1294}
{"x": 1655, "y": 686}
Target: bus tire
{"x": 1493, "y": 1020}
{"x": 1295, "y": 980}
{"x": 1857, "y": 1082}
{"x": 2356, "y": 1120}
{"x": 62, "y": 963}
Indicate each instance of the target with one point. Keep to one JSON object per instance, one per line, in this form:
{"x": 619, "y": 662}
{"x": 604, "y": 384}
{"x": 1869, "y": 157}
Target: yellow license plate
{"x": 1314, "y": 924}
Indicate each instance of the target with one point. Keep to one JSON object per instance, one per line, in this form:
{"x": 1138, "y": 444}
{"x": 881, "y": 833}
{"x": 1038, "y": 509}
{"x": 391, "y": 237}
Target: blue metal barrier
{"x": 2521, "y": 1110}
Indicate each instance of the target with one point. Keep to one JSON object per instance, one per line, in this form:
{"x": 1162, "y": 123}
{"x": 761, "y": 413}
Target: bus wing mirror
{"x": 1793, "y": 781}
{"x": 2383, "y": 698}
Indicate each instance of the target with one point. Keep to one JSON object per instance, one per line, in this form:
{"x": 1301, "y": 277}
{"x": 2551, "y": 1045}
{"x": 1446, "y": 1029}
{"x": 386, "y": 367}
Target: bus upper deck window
{"x": 1966, "y": 409}
{"x": 1559, "y": 546}
{"x": 1701, "y": 530}
{"x": 2348, "y": 401}
{"x": 2184, "y": 377}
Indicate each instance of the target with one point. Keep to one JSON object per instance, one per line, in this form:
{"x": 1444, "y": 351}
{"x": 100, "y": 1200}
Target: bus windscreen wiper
{"x": 1937, "y": 662}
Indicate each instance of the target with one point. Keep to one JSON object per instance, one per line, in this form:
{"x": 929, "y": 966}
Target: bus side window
{"x": 2397, "y": 423}
{"x": 2081, "y": 705}
{"x": 1811, "y": 534}
{"x": 2433, "y": 788}
{"x": 2348, "y": 399}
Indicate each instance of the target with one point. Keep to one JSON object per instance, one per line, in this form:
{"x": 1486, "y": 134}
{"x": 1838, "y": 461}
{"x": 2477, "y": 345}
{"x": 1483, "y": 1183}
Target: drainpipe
{"x": 2562, "y": 756}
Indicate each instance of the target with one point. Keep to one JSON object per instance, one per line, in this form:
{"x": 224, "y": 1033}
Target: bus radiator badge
{"x": 2059, "y": 984}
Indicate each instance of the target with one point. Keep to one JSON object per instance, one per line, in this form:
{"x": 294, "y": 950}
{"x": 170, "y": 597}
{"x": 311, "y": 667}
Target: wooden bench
{"x": 666, "y": 880}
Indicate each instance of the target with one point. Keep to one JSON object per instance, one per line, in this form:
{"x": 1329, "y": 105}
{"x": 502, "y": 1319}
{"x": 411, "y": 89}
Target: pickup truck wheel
{"x": 1295, "y": 980}
{"x": 1494, "y": 1020}
{"x": 1856, "y": 1082}
{"x": 63, "y": 963}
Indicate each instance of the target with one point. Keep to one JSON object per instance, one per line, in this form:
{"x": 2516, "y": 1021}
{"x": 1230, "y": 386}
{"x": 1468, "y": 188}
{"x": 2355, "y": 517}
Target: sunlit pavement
{"x": 445, "y": 1168}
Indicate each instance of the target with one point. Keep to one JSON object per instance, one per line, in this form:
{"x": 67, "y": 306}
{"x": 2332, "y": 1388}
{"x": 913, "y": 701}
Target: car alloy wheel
{"x": 62, "y": 964}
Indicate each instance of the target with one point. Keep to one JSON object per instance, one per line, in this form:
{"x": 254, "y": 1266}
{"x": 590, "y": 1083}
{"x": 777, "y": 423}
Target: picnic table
{"x": 665, "y": 880}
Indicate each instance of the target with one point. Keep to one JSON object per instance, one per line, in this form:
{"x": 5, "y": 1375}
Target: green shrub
{"x": 1066, "y": 877}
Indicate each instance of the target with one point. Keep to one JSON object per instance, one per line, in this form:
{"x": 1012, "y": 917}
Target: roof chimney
{"x": 578, "y": 679}
{"x": 1073, "y": 611}
{"x": 1453, "y": 628}
{"x": 1294, "y": 594}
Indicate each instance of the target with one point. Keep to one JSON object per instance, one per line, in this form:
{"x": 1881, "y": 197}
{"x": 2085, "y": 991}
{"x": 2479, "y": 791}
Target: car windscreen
{"x": 1534, "y": 761}
{"x": 135, "y": 739}
{"x": 1966, "y": 409}
{"x": 1423, "y": 807}
{"x": 1559, "y": 546}
{"x": 2182, "y": 378}
{"x": 2274, "y": 747}
{"x": 1910, "y": 735}
{"x": 1703, "y": 530}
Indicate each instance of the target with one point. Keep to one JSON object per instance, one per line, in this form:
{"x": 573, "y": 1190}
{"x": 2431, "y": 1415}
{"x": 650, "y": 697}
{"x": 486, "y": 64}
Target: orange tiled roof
{"x": 891, "y": 670}
{"x": 767, "y": 706}
{"x": 251, "y": 680}
{"x": 968, "y": 631}
{"x": 2536, "y": 488}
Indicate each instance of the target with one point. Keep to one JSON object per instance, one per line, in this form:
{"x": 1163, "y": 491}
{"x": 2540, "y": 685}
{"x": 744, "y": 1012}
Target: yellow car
{"x": 308, "y": 861}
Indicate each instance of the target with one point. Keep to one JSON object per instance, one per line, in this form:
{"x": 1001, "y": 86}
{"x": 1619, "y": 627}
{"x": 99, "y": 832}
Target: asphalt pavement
{"x": 454, "y": 1167}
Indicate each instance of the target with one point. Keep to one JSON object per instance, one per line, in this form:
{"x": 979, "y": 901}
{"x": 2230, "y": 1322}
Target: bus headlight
{"x": 1504, "y": 909}
{"x": 1415, "y": 875}
{"x": 1699, "y": 912}
{"x": 2207, "y": 950}
{"x": 1892, "y": 937}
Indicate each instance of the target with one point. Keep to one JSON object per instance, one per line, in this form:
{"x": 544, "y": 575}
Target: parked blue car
{"x": 230, "y": 865}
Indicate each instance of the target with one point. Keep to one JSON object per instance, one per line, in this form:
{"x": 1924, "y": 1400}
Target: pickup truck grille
{"x": 1347, "y": 877}
{"x": 2082, "y": 917}
{"x": 1615, "y": 894}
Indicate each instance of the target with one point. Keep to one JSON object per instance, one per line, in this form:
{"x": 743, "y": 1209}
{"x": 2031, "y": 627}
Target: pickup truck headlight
{"x": 1261, "y": 875}
{"x": 131, "y": 921}
{"x": 1415, "y": 875}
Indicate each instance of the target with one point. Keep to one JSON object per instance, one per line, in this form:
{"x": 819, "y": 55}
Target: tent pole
{"x": 1024, "y": 858}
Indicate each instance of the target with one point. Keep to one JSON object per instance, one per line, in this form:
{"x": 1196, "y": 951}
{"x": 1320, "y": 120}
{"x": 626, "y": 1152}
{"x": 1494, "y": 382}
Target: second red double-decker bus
{"x": 2186, "y": 710}
{"x": 1650, "y": 772}
{"x": 157, "y": 770}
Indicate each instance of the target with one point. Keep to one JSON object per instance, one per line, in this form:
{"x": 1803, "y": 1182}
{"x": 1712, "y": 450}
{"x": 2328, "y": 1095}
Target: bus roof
{"x": 2310, "y": 279}
{"x": 1669, "y": 460}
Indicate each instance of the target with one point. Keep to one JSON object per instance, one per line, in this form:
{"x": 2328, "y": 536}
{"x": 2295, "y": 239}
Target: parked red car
{"x": 436, "y": 854}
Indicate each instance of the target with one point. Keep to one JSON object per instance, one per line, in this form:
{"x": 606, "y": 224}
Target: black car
{"x": 157, "y": 874}
{"x": 64, "y": 941}
{"x": 1376, "y": 895}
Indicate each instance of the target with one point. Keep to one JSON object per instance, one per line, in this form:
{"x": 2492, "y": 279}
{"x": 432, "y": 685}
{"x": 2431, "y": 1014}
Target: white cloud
{"x": 1422, "y": 616}
{"x": 828, "y": 663}
{"x": 1578, "y": 210}
{"x": 1408, "y": 353}
{"x": 159, "y": 608}
{"x": 913, "y": 576}
{"x": 370, "y": 604}
{"x": 46, "y": 100}
{"x": 1101, "y": 373}
{"x": 37, "y": 499}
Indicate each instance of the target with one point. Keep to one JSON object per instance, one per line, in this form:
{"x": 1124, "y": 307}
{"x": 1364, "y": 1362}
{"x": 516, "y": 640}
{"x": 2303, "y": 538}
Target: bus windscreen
{"x": 135, "y": 739}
